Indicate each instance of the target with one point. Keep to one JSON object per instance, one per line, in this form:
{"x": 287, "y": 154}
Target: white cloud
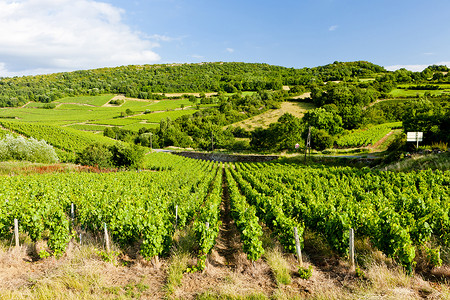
{"x": 229, "y": 50}
{"x": 415, "y": 68}
{"x": 163, "y": 38}
{"x": 197, "y": 56}
{"x": 54, "y": 35}
{"x": 332, "y": 28}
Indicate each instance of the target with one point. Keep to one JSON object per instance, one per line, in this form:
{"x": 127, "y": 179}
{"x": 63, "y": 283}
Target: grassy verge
{"x": 420, "y": 162}
{"x": 278, "y": 265}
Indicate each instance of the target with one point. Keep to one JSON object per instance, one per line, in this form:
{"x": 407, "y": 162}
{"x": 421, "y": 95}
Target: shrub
{"x": 321, "y": 139}
{"x": 119, "y": 155}
{"x": 305, "y": 273}
{"x": 116, "y": 102}
{"x": 20, "y": 148}
{"x": 49, "y": 106}
{"x": 129, "y": 156}
{"x": 96, "y": 155}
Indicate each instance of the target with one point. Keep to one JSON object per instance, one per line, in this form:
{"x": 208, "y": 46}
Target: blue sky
{"x": 43, "y": 36}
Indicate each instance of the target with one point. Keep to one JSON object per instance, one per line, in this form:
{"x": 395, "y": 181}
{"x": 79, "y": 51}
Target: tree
{"x": 281, "y": 135}
{"x": 321, "y": 140}
{"x": 128, "y": 156}
{"x": 326, "y": 120}
{"x": 96, "y": 155}
{"x": 432, "y": 118}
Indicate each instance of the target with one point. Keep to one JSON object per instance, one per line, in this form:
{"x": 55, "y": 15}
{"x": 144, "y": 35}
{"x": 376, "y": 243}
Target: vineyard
{"x": 62, "y": 138}
{"x": 400, "y": 214}
{"x": 365, "y": 137}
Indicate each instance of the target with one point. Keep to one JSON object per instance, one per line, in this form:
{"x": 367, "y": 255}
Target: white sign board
{"x": 414, "y": 136}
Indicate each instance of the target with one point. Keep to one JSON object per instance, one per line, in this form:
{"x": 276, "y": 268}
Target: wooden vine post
{"x": 352, "y": 248}
{"x": 16, "y": 232}
{"x": 106, "y": 239}
{"x": 176, "y": 215}
{"x": 297, "y": 247}
{"x": 72, "y": 211}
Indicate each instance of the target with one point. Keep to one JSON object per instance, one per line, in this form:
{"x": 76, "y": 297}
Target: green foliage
{"x": 321, "y": 139}
{"x": 44, "y": 254}
{"x": 324, "y": 120}
{"x": 365, "y": 137}
{"x": 129, "y": 156}
{"x": 96, "y": 155}
{"x": 434, "y": 256}
{"x": 116, "y": 102}
{"x": 284, "y": 134}
{"x": 110, "y": 257}
{"x": 360, "y": 273}
{"x": 49, "y": 106}
{"x": 246, "y": 221}
{"x": 432, "y": 118}
{"x": 305, "y": 273}
{"x": 396, "y": 211}
{"x": 134, "y": 205}
{"x": 63, "y": 138}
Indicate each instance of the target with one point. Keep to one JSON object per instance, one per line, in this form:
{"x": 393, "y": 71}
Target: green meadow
{"x": 403, "y": 91}
{"x": 94, "y": 113}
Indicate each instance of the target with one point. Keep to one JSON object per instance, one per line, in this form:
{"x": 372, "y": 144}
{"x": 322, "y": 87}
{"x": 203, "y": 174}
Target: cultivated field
{"x": 88, "y": 113}
{"x": 224, "y": 231}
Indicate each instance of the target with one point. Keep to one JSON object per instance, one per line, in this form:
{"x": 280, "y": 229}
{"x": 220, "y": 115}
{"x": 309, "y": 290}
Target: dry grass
{"x": 421, "y": 162}
{"x": 297, "y": 109}
{"x": 79, "y": 274}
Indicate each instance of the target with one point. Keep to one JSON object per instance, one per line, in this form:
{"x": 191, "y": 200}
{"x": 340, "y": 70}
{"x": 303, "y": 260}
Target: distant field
{"x": 168, "y": 104}
{"x": 88, "y": 127}
{"x": 170, "y": 95}
{"x": 414, "y": 93}
{"x": 90, "y": 100}
{"x": 137, "y": 126}
{"x": 116, "y": 122}
{"x": 367, "y": 136}
{"x": 404, "y": 92}
{"x": 89, "y": 113}
{"x": 157, "y": 116}
{"x": 61, "y": 137}
{"x": 297, "y": 109}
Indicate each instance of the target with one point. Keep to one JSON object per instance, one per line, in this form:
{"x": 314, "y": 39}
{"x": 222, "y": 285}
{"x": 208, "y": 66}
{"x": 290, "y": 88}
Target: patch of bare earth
{"x": 303, "y": 96}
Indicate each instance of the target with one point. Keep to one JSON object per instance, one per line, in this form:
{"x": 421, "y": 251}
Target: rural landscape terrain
{"x": 308, "y": 187}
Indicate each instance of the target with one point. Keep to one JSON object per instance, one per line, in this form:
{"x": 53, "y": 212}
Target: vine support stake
{"x": 207, "y": 225}
{"x": 80, "y": 238}
{"x": 297, "y": 247}
{"x": 106, "y": 239}
{"x": 176, "y": 215}
{"x": 352, "y": 248}
{"x": 72, "y": 211}
{"x": 16, "y": 232}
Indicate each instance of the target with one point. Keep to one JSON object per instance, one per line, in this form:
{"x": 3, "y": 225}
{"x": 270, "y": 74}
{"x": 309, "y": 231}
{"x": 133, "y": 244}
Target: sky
{"x": 47, "y": 36}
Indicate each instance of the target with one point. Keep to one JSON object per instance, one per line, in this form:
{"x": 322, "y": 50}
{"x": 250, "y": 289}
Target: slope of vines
{"x": 397, "y": 211}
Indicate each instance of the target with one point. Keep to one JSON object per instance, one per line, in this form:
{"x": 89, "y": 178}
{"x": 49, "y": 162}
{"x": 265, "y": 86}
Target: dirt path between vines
{"x": 381, "y": 141}
{"x": 228, "y": 271}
